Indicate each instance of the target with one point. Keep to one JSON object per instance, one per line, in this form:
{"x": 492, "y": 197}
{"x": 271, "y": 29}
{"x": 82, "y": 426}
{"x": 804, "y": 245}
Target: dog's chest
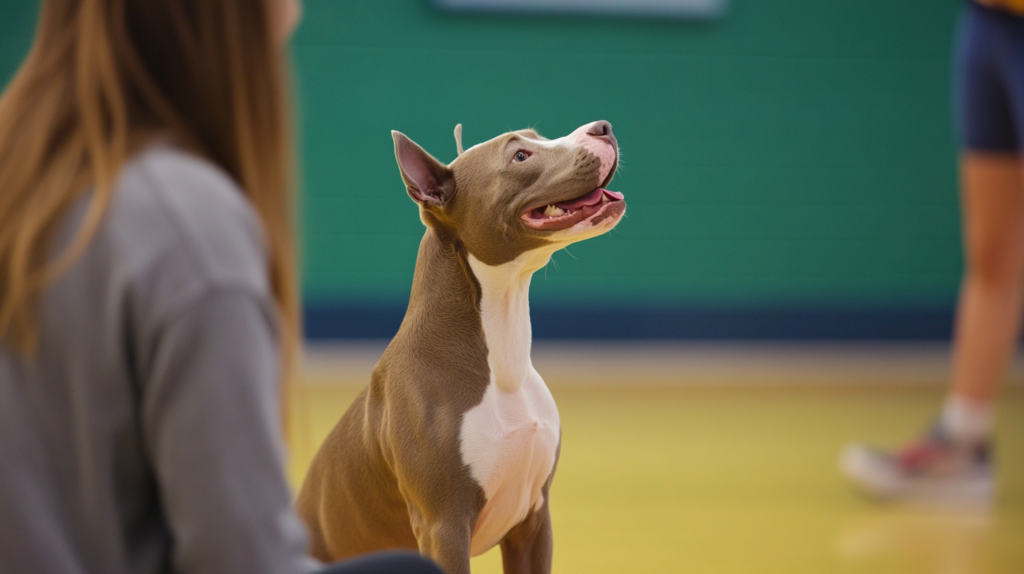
{"x": 509, "y": 441}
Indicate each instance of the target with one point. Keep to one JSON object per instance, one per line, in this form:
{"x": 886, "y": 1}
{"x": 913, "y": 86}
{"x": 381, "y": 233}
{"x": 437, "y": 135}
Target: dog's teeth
{"x": 553, "y": 211}
{"x": 604, "y": 198}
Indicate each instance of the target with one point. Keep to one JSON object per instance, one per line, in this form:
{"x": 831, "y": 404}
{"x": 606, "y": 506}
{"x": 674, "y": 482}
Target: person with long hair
{"x": 149, "y": 314}
{"x": 951, "y": 463}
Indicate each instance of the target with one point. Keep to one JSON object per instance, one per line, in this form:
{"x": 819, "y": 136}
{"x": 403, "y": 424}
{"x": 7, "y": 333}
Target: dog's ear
{"x": 429, "y": 181}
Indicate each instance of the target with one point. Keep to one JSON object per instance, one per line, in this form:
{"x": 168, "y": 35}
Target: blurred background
{"x": 783, "y": 282}
{"x": 789, "y": 165}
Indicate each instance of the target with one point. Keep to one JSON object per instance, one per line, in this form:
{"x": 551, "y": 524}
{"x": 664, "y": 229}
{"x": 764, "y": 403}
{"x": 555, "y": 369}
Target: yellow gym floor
{"x": 737, "y": 478}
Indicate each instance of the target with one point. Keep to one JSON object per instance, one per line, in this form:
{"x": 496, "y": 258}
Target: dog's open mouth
{"x": 565, "y": 214}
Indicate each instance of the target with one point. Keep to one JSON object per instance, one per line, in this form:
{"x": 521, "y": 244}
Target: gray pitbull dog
{"x": 452, "y": 447}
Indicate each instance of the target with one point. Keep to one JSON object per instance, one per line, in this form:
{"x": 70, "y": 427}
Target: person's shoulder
{"x": 184, "y": 208}
{"x": 189, "y": 177}
{"x": 193, "y": 192}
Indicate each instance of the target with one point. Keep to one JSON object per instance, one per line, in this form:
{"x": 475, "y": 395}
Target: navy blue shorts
{"x": 990, "y": 80}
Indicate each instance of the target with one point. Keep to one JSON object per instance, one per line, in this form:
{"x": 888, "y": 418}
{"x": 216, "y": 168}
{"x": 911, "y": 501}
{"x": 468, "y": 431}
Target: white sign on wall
{"x": 642, "y": 8}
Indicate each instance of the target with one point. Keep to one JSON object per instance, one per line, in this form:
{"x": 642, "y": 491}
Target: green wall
{"x": 17, "y": 24}
{"x": 797, "y": 152}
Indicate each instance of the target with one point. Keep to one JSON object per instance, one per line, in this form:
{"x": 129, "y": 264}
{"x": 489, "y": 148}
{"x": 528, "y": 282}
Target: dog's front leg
{"x": 446, "y": 541}
{"x": 528, "y": 548}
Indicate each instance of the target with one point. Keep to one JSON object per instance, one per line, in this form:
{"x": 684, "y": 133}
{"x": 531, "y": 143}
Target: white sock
{"x": 967, "y": 420}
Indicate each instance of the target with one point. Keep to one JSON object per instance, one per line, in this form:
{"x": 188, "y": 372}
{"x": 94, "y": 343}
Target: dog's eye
{"x": 521, "y": 155}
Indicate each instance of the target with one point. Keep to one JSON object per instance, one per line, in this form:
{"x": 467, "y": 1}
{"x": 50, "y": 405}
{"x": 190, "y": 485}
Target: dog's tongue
{"x": 592, "y": 198}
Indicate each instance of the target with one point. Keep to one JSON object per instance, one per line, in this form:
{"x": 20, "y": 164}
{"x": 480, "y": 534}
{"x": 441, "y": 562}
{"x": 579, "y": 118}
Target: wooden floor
{"x": 736, "y": 478}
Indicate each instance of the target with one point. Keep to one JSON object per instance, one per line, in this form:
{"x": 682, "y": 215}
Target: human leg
{"x": 991, "y": 124}
{"x": 989, "y": 313}
{"x": 384, "y": 563}
{"x": 951, "y": 463}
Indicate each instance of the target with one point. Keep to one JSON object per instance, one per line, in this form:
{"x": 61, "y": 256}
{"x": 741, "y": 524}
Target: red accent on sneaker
{"x": 918, "y": 455}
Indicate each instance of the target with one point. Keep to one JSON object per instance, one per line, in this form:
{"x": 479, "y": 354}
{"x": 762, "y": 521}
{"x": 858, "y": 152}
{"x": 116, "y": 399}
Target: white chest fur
{"x": 509, "y": 440}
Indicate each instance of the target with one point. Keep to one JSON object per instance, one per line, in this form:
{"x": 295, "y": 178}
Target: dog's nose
{"x": 600, "y": 129}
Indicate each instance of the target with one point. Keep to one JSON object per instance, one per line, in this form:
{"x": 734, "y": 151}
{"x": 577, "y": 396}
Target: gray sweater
{"x": 144, "y": 435}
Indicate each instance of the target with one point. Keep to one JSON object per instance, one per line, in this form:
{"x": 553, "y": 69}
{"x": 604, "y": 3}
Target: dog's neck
{"x": 447, "y": 286}
{"x": 505, "y": 315}
{"x": 442, "y": 323}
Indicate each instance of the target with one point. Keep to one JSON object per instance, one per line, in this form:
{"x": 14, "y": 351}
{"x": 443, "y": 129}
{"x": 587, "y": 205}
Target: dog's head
{"x": 517, "y": 192}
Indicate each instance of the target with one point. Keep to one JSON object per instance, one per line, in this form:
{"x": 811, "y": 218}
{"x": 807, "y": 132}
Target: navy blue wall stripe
{"x": 325, "y": 322}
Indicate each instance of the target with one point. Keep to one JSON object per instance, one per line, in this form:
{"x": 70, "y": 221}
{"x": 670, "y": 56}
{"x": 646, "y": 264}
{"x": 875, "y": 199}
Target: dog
{"x": 452, "y": 447}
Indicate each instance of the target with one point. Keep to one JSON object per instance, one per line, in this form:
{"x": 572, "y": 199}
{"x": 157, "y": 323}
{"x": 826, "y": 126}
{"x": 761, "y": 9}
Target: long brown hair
{"x": 102, "y": 77}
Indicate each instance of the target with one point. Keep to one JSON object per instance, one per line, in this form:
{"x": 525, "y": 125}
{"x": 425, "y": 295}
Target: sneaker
{"x": 935, "y": 470}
